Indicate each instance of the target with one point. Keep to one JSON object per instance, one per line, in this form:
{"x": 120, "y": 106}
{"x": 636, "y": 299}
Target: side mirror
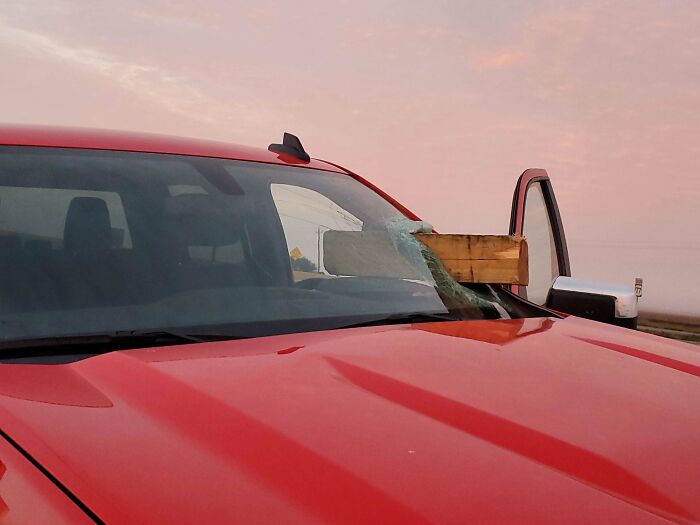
{"x": 609, "y": 303}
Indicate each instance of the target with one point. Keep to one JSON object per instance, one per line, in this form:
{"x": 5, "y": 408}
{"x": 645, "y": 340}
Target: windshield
{"x": 97, "y": 241}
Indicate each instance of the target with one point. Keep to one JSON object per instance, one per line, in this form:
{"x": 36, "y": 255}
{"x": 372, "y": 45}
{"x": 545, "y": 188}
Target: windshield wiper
{"x": 407, "y": 318}
{"x": 103, "y": 342}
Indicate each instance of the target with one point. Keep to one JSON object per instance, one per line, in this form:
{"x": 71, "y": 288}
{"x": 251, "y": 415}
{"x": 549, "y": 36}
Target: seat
{"x": 10, "y": 247}
{"x": 24, "y": 282}
{"x": 197, "y": 220}
{"x": 37, "y": 250}
{"x": 89, "y": 272}
{"x": 87, "y": 232}
{"x": 12, "y": 297}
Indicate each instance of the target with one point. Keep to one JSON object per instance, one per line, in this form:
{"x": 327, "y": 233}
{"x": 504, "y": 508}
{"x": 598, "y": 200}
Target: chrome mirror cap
{"x": 626, "y": 302}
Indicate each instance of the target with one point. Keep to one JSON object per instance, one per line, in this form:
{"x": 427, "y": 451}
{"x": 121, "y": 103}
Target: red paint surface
{"x": 4, "y": 509}
{"x": 85, "y": 138}
{"x": 521, "y": 421}
{"x": 28, "y": 497}
{"x": 144, "y": 142}
{"x": 289, "y": 350}
{"x": 648, "y": 356}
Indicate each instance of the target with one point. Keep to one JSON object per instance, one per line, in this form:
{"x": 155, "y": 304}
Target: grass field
{"x": 680, "y": 328}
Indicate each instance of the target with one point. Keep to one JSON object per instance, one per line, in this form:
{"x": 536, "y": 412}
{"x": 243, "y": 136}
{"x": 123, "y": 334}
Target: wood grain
{"x": 488, "y": 259}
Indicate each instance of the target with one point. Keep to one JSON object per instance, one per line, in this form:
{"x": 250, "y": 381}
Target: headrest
{"x": 203, "y": 220}
{"x": 9, "y": 244}
{"x": 37, "y": 249}
{"x": 10, "y": 251}
{"x": 87, "y": 230}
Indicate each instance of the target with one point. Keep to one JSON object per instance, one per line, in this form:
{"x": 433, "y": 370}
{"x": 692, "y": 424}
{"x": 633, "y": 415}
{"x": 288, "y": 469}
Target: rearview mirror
{"x": 609, "y": 303}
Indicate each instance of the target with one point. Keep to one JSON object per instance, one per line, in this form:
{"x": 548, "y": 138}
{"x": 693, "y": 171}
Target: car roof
{"x": 87, "y": 138}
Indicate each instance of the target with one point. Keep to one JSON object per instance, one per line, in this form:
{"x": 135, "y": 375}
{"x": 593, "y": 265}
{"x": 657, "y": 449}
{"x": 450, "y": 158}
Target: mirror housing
{"x": 608, "y": 303}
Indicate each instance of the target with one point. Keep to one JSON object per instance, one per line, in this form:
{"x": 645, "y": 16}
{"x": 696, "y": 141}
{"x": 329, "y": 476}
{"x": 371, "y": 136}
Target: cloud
{"x": 171, "y": 92}
{"x": 500, "y": 60}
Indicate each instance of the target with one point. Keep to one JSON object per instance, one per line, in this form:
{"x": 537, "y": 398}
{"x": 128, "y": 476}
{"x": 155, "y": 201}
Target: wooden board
{"x": 488, "y": 259}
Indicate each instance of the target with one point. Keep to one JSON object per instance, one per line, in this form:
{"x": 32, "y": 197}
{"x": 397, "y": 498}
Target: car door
{"x": 535, "y": 216}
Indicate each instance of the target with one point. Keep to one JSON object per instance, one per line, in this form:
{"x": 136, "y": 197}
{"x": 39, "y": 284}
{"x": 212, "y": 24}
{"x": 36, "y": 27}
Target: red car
{"x": 182, "y": 342}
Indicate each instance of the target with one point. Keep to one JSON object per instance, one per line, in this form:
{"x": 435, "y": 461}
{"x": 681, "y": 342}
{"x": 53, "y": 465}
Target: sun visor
{"x": 365, "y": 253}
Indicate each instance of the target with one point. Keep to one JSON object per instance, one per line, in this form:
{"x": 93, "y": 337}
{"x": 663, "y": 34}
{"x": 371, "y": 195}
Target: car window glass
{"x": 542, "y": 253}
{"x": 94, "y": 241}
{"x": 183, "y": 189}
{"x": 39, "y": 214}
{"x": 305, "y": 216}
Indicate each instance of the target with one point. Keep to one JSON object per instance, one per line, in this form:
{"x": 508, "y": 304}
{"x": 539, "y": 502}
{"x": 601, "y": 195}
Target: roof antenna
{"x": 291, "y": 145}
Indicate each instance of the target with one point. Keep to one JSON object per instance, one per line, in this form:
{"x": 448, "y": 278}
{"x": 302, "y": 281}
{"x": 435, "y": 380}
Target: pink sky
{"x": 442, "y": 106}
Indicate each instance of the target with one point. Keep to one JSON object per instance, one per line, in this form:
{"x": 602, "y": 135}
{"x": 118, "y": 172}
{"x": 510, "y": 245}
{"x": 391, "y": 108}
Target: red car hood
{"x": 529, "y": 421}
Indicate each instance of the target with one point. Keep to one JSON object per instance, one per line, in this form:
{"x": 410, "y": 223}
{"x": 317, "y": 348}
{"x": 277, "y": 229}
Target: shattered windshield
{"x": 97, "y": 241}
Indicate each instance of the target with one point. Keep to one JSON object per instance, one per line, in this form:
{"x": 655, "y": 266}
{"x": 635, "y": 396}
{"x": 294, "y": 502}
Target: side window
{"x": 39, "y": 214}
{"x": 542, "y": 252}
{"x": 306, "y": 215}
